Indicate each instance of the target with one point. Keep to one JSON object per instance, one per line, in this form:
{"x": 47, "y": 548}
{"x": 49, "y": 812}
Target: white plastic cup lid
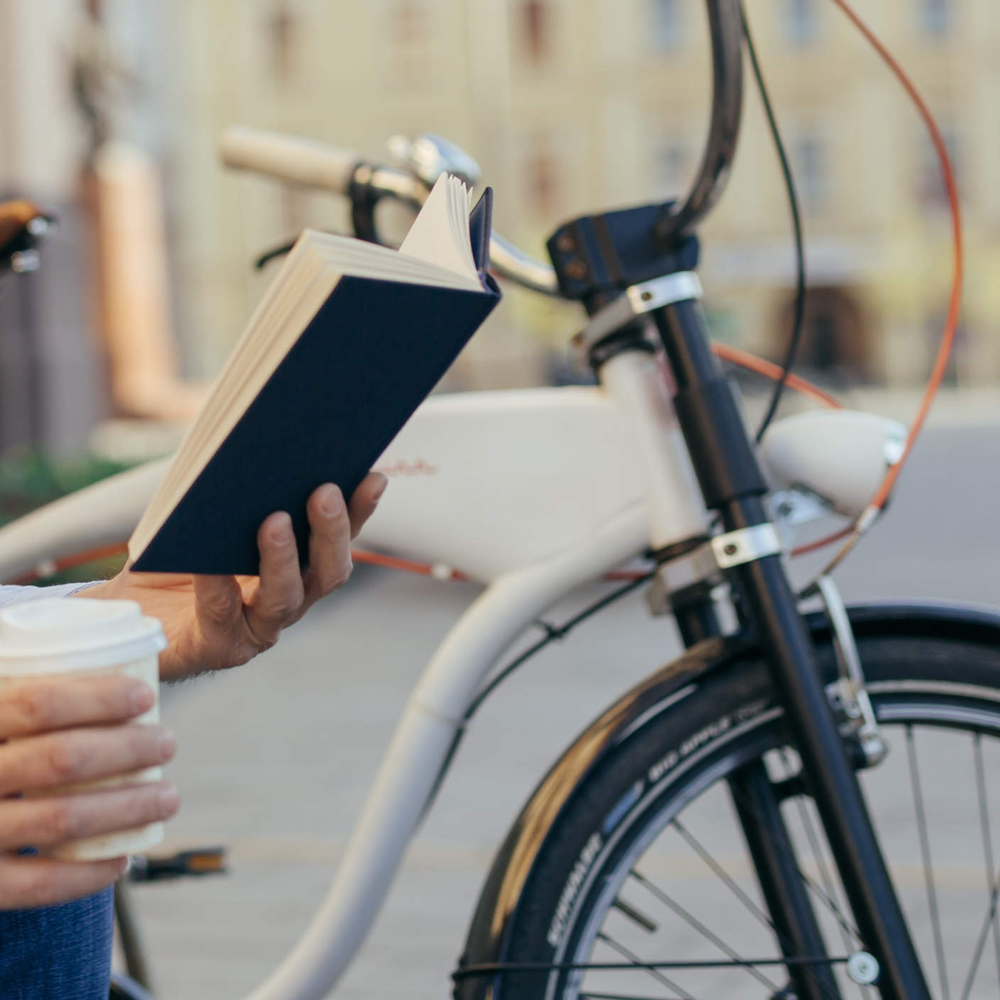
{"x": 58, "y": 634}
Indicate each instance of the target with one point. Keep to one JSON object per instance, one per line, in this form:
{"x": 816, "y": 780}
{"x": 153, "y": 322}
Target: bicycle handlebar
{"x": 343, "y": 171}
{"x": 306, "y": 161}
{"x": 725, "y": 25}
{"x": 289, "y": 158}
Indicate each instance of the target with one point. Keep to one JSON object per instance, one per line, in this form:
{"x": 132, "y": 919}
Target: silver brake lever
{"x": 426, "y": 158}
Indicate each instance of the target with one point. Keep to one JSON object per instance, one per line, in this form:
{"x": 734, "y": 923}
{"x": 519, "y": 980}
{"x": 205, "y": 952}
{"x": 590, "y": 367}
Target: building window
{"x": 809, "y": 166}
{"x": 282, "y": 36}
{"x": 541, "y": 174}
{"x": 665, "y": 24}
{"x": 535, "y": 30}
{"x": 670, "y": 168}
{"x": 407, "y": 34}
{"x": 801, "y": 21}
{"x": 935, "y": 17}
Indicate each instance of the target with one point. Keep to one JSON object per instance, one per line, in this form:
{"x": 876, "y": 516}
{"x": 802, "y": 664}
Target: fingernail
{"x": 167, "y": 745}
{"x": 170, "y": 799}
{"x": 379, "y": 490}
{"x": 330, "y": 501}
{"x": 281, "y": 530}
{"x": 141, "y": 697}
{"x": 124, "y": 864}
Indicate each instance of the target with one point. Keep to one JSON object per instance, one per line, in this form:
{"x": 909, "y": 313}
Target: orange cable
{"x": 821, "y": 543}
{"x": 407, "y": 565}
{"x": 864, "y": 521}
{"x": 955, "y": 300}
{"x": 50, "y": 567}
{"x": 772, "y": 371}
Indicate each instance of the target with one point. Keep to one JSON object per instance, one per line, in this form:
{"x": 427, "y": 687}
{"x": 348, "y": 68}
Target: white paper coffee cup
{"x": 52, "y": 637}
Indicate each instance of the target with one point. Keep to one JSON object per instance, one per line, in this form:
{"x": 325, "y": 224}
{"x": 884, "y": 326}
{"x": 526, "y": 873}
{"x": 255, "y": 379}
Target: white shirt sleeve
{"x": 12, "y": 594}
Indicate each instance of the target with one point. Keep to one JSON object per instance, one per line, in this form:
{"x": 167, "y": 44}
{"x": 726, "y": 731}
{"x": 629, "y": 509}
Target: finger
{"x": 329, "y": 543}
{"x": 218, "y": 603}
{"x": 37, "y": 706}
{"x": 50, "y": 821}
{"x": 365, "y": 499}
{"x": 66, "y": 758}
{"x": 27, "y": 882}
{"x": 279, "y": 596}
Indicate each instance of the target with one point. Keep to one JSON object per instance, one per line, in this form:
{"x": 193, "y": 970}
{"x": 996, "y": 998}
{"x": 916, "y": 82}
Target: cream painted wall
{"x": 604, "y": 103}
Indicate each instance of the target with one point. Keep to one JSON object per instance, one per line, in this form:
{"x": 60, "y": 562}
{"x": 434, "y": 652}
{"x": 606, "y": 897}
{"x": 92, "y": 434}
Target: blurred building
{"x": 49, "y": 372}
{"x": 575, "y": 105}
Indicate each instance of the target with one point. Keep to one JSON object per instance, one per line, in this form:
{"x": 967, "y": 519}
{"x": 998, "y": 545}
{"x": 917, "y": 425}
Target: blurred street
{"x": 275, "y": 759}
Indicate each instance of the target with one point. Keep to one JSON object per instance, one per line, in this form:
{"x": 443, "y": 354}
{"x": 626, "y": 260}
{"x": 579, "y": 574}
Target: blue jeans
{"x": 57, "y": 952}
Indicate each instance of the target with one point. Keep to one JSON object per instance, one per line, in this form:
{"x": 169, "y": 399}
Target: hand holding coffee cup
{"x": 80, "y": 746}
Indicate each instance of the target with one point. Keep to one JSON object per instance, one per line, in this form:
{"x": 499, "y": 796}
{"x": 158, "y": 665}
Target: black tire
{"x": 665, "y": 766}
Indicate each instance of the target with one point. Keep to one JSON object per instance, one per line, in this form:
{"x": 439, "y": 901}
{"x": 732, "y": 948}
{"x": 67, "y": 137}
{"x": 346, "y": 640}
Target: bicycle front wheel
{"x": 648, "y": 874}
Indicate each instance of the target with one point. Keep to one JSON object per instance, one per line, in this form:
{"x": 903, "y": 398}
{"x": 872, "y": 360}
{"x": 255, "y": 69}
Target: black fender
{"x": 489, "y": 932}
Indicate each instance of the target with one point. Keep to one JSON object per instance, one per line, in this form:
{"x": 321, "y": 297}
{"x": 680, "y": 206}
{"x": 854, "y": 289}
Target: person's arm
{"x": 61, "y": 731}
{"x": 215, "y": 622}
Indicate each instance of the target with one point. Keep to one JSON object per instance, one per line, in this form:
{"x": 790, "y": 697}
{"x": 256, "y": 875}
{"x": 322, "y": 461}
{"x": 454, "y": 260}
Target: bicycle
{"x": 785, "y": 706}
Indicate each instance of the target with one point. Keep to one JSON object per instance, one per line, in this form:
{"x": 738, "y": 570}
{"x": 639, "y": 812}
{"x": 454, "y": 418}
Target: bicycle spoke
{"x": 813, "y": 837}
{"x": 925, "y": 851}
{"x": 810, "y": 884}
{"x": 814, "y": 846}
{"x": 732, "y": 884}
{"x": 613, "y": 996}
{"x": 726, "y": 878}
{"x": 632, "y": 957}
{"x": 700, "y": 919}
{"x": 984, "y": 821}
{"x": 646, "y": 923}
{"x": 692, "y": 921}
{"x": 990, "y": 919}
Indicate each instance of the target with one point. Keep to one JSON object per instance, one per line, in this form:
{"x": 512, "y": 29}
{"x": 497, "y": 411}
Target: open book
{"x": 347, "y": 341}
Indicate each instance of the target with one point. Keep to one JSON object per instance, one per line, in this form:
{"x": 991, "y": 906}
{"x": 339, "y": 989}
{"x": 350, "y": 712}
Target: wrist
{"x": 102, "y": 589}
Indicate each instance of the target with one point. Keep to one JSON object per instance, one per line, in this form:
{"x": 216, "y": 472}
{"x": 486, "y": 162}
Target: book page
{"x": 440, "y": 233}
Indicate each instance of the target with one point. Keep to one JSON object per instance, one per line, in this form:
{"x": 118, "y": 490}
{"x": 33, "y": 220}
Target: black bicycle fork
{"x": 732, "y": 485}
{"x": 596, "y": 258}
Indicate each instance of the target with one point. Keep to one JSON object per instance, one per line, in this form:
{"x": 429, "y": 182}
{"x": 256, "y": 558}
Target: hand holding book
{"x": 217, "y": 622}
{"x": 346, "y": 343}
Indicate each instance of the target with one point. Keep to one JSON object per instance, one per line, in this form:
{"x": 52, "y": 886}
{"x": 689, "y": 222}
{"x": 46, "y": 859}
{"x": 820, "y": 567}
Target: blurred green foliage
{"x": 29, "y": 479}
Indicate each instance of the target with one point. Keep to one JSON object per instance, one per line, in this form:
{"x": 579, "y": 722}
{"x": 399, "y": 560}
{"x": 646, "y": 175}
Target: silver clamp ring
{"x": 746, "y": 545}
{"x": 638, "y": 300}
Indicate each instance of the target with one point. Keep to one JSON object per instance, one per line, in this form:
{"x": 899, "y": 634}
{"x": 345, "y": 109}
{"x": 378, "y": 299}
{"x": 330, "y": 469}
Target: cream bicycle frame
{"x": 660, "y": 505}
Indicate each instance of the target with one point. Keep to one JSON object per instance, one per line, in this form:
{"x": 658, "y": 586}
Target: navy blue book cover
{"x": 367, "y": 360}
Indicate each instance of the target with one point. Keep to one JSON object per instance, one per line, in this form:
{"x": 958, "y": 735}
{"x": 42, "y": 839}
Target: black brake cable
{"x": 793, "y": 204}
{"x": 494, "y": 968}
{"x": 552, "y": 633}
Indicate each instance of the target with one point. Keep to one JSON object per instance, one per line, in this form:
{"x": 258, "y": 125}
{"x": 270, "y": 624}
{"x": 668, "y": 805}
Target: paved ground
{"x": 275, "y": 759}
